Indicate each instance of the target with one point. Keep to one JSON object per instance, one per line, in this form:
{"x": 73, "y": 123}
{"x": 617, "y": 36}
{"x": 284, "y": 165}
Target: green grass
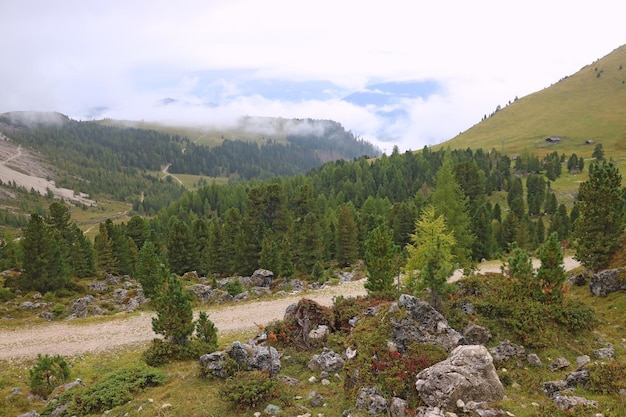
{"x": 580, "y": 107}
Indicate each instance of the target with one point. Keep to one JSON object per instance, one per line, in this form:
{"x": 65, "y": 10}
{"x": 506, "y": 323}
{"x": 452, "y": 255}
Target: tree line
{"x": 336, "y": 215}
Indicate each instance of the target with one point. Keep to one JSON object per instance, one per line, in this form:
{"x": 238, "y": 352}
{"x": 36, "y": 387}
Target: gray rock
{"x": 506, "y": 350}
{"x": 98, "y": 286}
{"x": 371, "y": 400}
{"x": 581, "y": 361}
{"x": 608, "y": 281}
{"x": 204, "y": 292}
{"x": 569, "y": 402}
{"x": 424, "y": 325}
{"x": 287, "y": 380}
{"x": 397, "y": 407}
{"x": 80, "y": 307}
{"x": 560, "y": 364}
{"x": 262, "y": 278}
{"x": 577, "y": 379}
{"x": 112, "y": 279}
{"x": 319, "y": 333}
{"x": 59, "y": 411}
{"x": 215, "y": 364}
{"x": 241, "y": 296}
{"x": 315, "y": 399}
{"x": 27, "y": 305}
{"x": 534, "y": 360}
{"x": 260, "y": 291}
{"x": 467, "y": 374}
{"x": 261, "y": 358}
{"x": 353, "y": 321}
{"x": 272, "y": 409}
{"x": 467, "y": 308}
{"x": 328, "y": 361}
{"x": 17, "y": 391}
{"x": 552, "y": 388}
{"x": 474, "y": 334}
{"x": 30, "y": 414}
{"x": 605, "y": 353}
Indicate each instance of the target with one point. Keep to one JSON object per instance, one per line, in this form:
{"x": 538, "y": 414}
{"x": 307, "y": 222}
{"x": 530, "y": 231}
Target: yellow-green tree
{"x": 430, "y": 260}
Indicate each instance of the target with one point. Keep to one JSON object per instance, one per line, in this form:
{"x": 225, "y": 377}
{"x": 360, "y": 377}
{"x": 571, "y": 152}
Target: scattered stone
{"x": 80, "y": 307}
{"x": 315, "y": 399}
{"x": 112, "y": 279}
{"x": 560, "y": 364}
{"x": 215, "y": 364}
{"x": 272, "y": 409}
{"x": 287, "y": 380}
{"x": 350, "y": 353}
{"x": 47, "y": 315}
{"x": 397, "y": 407}
{"x": 241, "y": 296}
{"x": 578, "y": 379}
{"x": 59, "y": 411}
{"x": 467, "y": 308}
{"x": 371, "y": 400}
{"x": 328, "y": 361}
{"x": 353, "y": 321}
{"x": 30, "y": 414}
{"x": 17, "y": 391}
{"x": 205, "y": 293}
{"x": 98, "y": 286}
{"x": 605, "y": 353}
{"x": 552, "y": 388}
{"x": 260, "y": 291}
{"x": 474, "y": 334}
{"x": 27, "y": 305}
{"x": 319, "y": 333}
{"x": 506, "y": 350}
{"x": 569, "y": 402}
{"x": 607, "y": 281}
{"x": 534, "y": 360}
{"x": 312, "y": 380}
{"x": 467, "y": 374}
{"x": 325, "y": 381}
{"x": 581, "y": 361}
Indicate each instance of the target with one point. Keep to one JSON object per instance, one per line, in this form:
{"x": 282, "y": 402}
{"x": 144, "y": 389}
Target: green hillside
{"x": 589, "y": 105}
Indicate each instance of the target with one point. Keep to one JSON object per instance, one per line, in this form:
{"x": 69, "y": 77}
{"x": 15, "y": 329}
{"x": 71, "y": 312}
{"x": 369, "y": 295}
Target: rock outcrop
{"x": 467, "y": 374}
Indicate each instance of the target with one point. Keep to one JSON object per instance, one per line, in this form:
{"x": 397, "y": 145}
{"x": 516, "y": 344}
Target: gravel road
{"x": 73, "y": 338}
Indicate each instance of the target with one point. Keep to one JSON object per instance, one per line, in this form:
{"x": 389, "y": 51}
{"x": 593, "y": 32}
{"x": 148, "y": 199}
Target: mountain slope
{"x": 589, "y": 105}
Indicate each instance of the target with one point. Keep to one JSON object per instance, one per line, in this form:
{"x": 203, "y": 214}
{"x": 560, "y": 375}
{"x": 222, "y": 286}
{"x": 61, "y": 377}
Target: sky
{"x": 397, "y": 73}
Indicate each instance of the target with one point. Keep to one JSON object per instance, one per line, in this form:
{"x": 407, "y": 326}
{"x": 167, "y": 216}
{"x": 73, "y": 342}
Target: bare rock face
{"x": 468, "y": 375}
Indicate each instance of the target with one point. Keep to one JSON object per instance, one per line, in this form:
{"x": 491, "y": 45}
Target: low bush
{"x": 114, "y": 389}
{"x": 48, "y": 373}
{"x": 161, "y": 352}
{"x": 254, "y": 389}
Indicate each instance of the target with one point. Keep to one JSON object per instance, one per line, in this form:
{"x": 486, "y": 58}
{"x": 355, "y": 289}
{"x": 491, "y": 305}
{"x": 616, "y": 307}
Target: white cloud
{"x": 71, "y": 55}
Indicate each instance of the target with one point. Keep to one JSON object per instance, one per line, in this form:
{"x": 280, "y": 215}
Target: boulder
{"x": 506, "y": 350}
{"x": 581, "y": 361}
{"x": 261, "y": 278}
{"x": 424, "y": 325}
{"x": 577, "y": 379}
{"x": 371, "y": 400}
{"x": 261, "y": 358}
{"x": 315, "y": 399}
{"x": 608, "y": 281}
{"x": 319, "y": 333}
{"x": 204, "y": 292}
{"x": 397, "y": 407}
{"x": 467, "y": 374}
{"x": 327, "y": 361}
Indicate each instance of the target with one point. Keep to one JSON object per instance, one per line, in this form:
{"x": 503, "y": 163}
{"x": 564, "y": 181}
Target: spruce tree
{"x": 347, "y": 234}
{"x": 380, "y": 260}
{"x": 45, "y": 264}
{"x": 600, "y": 224}
{"x": 150, "y": 270}
{"x": 174, "y": 318}
{"x": 551, "y": 275}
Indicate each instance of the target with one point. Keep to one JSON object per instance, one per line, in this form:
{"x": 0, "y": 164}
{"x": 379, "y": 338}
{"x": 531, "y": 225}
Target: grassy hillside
{"x": 588, "y": 105}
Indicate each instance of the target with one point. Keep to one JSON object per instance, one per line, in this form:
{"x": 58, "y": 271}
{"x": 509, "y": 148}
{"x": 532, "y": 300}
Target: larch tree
{"x": 430, "y": 255}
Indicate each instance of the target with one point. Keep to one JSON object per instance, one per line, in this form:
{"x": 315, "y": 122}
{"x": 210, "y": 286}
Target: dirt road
{"x": 73, "y": 338}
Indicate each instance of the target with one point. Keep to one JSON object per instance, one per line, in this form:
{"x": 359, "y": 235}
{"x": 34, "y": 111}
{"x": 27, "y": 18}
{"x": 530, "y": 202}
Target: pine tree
{"x": 535, "y": 193}
{"x": 380, "y": 260}
{"x": 174, "y": 318}
{"x": 602, "y": 215}
{"x": 181, "y": 251}
{"x": 103, "y": 248}
{"x": 430, "y": 258}
{"x": 515, "y": 198}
